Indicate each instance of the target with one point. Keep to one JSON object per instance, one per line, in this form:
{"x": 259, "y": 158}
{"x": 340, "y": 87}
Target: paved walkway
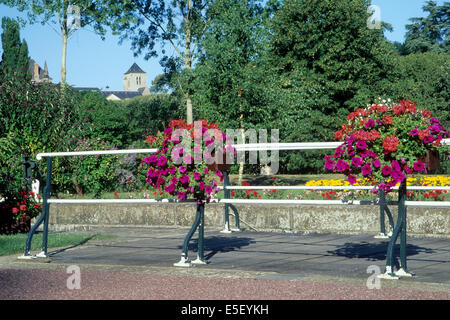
{"x": 284, "y": 266}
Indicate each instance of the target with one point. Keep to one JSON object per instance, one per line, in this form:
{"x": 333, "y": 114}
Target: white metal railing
{"x": 253, "y": 147}
{"x": 39, "y": 156}
{"x": 239, "y": 147}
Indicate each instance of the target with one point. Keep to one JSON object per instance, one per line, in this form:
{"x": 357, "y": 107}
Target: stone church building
{"x": 134, "y": 84}
{"x": 38, "y": 74}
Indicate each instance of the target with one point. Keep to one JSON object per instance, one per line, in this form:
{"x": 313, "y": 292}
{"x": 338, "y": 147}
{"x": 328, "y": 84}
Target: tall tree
{"x": 15, "y": 52}
{"x": 177, "y": 24}
{"x": 325, "y": 61}
{"x": 65, "y": 17}
{"x": 431, "y": 32}
{"x": 228, "y": 75}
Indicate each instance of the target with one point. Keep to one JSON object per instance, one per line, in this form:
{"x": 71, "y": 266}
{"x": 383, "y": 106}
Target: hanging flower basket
{"x": 185, "y": 164}
{"x": 385, "y": 142}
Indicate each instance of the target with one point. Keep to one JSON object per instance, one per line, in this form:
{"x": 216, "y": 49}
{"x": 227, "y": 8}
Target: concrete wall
{"x": 288, "y": 218}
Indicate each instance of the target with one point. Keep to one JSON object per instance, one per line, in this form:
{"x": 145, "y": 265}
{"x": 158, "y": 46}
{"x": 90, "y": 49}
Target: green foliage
{"x": 431, "y": 32}
{"x": 11, "y": 170}
{"x": 38, "y": 114}
{"x": 104, "y": 119}
{"x": 227, "y": 78}
{"x": 15, "y": 52}
{"x": 424, "y": 78}
{"x": 146, "y": 115}
{"x": 86, "y": 174}
{"x": 38, "y": 118}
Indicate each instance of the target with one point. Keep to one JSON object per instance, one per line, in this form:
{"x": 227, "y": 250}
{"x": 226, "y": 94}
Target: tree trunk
{"x": 63, "y": 57}
{"x": 189, "y": 116}
{"x": 241, "y": 164}
{"x": 77, "y": 187}
{"x": 188, "y": 63}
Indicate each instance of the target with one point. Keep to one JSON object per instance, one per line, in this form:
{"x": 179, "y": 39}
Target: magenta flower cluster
{"x": 380, "y": 148}
{"x": 180, "y": 172}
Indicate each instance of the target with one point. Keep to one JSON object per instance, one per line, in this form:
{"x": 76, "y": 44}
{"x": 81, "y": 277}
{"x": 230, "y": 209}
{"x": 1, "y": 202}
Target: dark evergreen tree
{"x": 15, "y": 52}
{"x": 431, "y": 32}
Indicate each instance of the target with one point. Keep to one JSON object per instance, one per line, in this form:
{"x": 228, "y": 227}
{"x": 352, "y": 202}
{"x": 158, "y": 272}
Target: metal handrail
{"x": 199, "y": 220}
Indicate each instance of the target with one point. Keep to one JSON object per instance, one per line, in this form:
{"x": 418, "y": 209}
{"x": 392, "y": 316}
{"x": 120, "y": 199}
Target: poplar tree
{"x": 64, "y": 17}
{"x": 15, "y": 58}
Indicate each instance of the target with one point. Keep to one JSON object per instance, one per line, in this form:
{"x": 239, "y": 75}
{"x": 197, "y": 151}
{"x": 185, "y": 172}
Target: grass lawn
{"x": 15, "y": 243}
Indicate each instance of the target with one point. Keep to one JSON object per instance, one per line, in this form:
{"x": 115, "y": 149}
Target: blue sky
{"x": 97, "y": 63}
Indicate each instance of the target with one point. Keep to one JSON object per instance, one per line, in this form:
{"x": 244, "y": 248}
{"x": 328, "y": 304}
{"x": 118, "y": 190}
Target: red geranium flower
{"x": 390, "y": 143}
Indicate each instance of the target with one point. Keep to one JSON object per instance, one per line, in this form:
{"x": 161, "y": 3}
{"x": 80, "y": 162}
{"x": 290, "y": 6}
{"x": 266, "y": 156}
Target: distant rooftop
{"x": 135, "y": 69}
{"x": 122, "y": 94}
{"x": 86, "y": 88}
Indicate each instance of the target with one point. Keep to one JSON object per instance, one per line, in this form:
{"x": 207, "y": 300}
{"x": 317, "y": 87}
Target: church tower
{"x": 135, "y": 79}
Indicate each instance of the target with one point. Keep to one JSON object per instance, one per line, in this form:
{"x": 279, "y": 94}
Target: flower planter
{"x": 384, "y": 143}
{"x": 222, "y": 166}
{"x": 431, "y": 161}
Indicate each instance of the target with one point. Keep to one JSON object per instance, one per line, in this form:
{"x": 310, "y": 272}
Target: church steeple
{"x": 45, "y": 69}
{"x": 135, "y": 79}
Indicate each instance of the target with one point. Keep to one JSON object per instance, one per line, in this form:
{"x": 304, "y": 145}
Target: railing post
{"x": 384, "y": 209}
{"x": 400, "y": 228}
{"x": 43, "y": 218}
{"x": 403, "y": 271}
{"x": 198, "y": 223}
{"x": 27, "y": 172}
{"x": 201, "y": 237}
{"x": 226, "y": 192}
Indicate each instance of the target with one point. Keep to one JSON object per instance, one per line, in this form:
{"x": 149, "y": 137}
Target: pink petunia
{"x": 376, "y": 163}
{"x": 366, "y": 169}
{"x": 357, "y": 161}
{"x": 419, "y": 166}
{"x": 386, "y": 170}
{"x": 361, "y": 144}
{"x": 182, "y": 169}
{"x": 330, "y": 164}
{"x": 351, "y": 179}
{"x": 197, "y": 176}
{"x": 341, "y": 166}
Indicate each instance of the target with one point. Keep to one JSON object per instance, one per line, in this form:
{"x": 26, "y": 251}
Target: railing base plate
{"x": 42, "y": 254}
{"x": 404, "y": 273}
{"x": 183, "y": 263}
{"x": 388, "y": 276}
{"x": 26, "y": 257}
{"x": 199, "y": 261}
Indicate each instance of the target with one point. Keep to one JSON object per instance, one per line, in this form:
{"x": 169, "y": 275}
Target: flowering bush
{"x": 185, "y": 172}
{"x": 385, "y": 142}
{"x": 20, "y": 205}
{"x": 86, "y": 174}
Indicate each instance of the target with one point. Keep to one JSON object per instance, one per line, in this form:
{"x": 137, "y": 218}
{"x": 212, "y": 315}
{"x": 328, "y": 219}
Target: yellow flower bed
{"x": 441, "y": 181}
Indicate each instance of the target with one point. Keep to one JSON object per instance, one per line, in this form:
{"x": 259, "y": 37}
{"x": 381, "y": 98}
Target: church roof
{"x": 135, "y": 69}
{"x": 85, "y": 88}
{"x": 122, "y": 94}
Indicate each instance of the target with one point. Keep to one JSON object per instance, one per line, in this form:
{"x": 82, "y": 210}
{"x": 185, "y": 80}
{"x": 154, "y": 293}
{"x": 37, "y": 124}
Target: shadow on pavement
{"x": 217, "y": 244}
{"x": 375, "y": 251}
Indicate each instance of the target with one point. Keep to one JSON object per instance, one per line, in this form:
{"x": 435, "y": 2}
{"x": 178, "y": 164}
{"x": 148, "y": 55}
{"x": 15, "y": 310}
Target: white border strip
{"x": 99, "y": 201}
{"x": 253, "y": 201}
{"x": 428, "y": 204}
{"x": 327, "y": 188}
